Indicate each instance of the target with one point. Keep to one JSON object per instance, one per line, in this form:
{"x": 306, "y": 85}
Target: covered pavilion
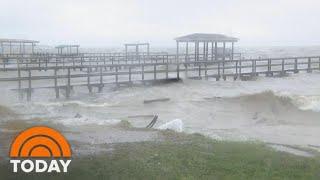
{"x": 206, "y": 39}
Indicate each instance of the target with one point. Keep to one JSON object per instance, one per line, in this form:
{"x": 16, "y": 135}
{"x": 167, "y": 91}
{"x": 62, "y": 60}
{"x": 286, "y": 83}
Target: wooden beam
{"x": 187, "y": 52}
{"x": 177, "y": 56}
{"x": 212, "y": 50}
{"x": 232, "y": 50}
{"x": 216, "y": 51}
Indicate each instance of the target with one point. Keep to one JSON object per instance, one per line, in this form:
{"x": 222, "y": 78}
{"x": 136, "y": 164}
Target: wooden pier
{"x": 69, "y": 68}
{"x": 95, "y": 71}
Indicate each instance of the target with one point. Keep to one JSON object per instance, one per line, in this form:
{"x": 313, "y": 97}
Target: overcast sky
{"x": 114, "y": 22}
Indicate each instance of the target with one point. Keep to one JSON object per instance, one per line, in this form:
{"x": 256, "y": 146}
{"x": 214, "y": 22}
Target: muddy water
{"x": 275, "y": 110}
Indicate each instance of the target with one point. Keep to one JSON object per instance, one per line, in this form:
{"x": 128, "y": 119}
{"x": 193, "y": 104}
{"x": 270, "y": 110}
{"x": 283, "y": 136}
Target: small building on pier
{"x": 214, "y": 47}
{"x": 137, "y": 54}
{"x": 17, "y": 46}
{"x": 137, "y": 48}
{"x": 68, "y": 49}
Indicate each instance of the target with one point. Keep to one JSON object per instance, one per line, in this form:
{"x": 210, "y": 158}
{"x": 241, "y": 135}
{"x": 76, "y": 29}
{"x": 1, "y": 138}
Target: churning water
{"x": 282, "y": 110}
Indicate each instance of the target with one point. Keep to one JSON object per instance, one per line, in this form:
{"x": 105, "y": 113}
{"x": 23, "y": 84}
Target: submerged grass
{"x": 182, "y": 156}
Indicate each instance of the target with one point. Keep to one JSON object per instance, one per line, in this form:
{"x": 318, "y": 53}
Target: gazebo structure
{"x": 137, "y": 47}
{"x": 137, "y": 52}
{"x": 68, "y": 49}
{"x": 207, "y": 39}
{"x": 17, "y": 46}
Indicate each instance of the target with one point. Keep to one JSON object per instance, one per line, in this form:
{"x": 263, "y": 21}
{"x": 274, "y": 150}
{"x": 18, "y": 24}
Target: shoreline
{"x": 179, "y": 156}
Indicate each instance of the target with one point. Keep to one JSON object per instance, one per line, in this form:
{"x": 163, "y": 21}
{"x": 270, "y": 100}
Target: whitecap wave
{"x": 175, "y": 125}
{"x": 307, "y": 102}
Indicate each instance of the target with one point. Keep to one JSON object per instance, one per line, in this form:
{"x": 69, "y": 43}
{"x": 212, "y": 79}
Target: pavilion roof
{"x": 203, "y": 37}
{"x": 3, "y": 40}
{"x": 136, "y": 44}
{"x": 66, "y": 46}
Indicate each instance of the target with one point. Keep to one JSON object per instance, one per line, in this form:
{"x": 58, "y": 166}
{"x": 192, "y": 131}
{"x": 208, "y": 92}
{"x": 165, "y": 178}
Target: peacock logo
{"x": 40, "y": 149}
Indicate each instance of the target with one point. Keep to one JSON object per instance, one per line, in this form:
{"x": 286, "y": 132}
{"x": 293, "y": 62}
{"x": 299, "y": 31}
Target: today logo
{"x": 40, "y": 149}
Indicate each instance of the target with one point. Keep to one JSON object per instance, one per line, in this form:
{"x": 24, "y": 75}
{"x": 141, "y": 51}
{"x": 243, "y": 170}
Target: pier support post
{"x": 81, "y": 63}
{"x": 309, "y": 65}
{"x": 186, "y": 69}
{"x": 68, "y": 87}
{"x": 296, "y": 66}
{"x": 56, "y": 88}
{"x": 19, "y": 82}
{"x": 187, "y": 53}
{"x": 101, "y": 81}
{"x": 282, "y": 68}
{"x": 178, "y": 71}
{"x": 177, "y": 53}
{"x": 232, "y": 50}
{"x": 89, "y": 79}
{"x": 117, "y": 78}
{"x": 155, "y": 72}
{"x": 240, "y": 68}
{"x": 130, "y": 81}
{"x": 216, "y": 51}
{"x": 218, "y": 78}
{"x": 167, "y": 71}
{"x": 253, "y": 70}
{"x": 29, "y": 87}
{"x": 142, "y": 73}
{"x": 206, "y": 71}
{"x": 223, "y": 59}
{"x": 236, "y": 76}
{"x": 269, "y": 68}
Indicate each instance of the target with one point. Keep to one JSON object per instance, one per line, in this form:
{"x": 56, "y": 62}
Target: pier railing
{"x": 45, "y": 60}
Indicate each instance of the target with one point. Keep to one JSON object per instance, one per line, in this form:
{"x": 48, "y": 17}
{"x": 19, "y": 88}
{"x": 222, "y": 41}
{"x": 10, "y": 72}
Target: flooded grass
{"x": 181, "y": 156}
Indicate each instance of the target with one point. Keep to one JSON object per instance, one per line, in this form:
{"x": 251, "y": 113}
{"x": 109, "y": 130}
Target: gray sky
{"x": 114, "y": 22}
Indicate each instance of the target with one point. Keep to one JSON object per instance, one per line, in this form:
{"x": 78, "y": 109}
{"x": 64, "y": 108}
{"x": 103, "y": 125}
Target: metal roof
{"x": 66, "y": 46}
{"x": 136, "y": 44}
{"x": 206, "y": 37}
{"x": 2, "y": 40}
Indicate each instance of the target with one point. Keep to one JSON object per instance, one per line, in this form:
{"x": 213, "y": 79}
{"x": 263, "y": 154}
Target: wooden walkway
{"x": 65, "y": 76}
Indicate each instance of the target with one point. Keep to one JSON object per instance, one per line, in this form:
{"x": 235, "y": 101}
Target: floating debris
{"x": 156, "y": 100}
{"x": 153, "y": 122}
{"x": 141, "y": 116}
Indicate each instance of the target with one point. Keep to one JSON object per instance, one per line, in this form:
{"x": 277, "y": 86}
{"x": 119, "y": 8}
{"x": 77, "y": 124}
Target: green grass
{"x": 183, "y": 156}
